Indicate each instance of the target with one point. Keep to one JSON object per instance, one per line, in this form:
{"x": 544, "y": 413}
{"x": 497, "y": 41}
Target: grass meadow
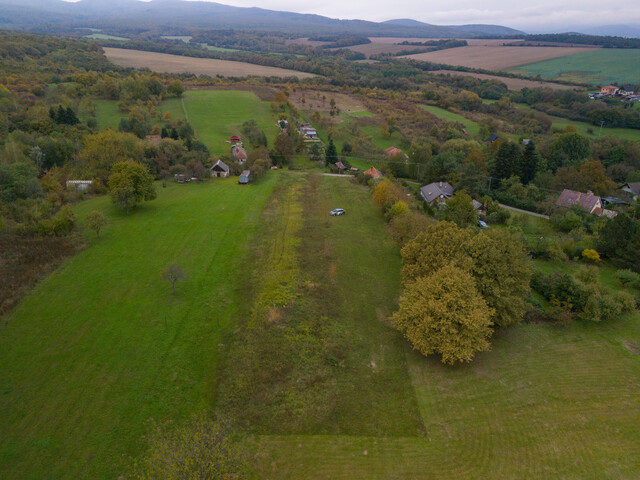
{"x": 472, "y": 127}
{"x": 283, "y": 328}
{"x": 101, "y": 346}
{"x": 598, "y": 67}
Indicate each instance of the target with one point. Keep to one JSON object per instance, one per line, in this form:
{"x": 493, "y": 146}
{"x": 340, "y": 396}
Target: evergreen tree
{"x": 331, "y": 155}
{"x": 529, "y": 163}
{"x": 507, "y": 161}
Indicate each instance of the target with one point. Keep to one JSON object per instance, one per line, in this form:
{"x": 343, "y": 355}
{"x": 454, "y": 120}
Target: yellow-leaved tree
{"x": 444, "y": 313}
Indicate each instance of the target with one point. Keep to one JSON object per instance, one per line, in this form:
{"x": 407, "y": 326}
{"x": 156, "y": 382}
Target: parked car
{"x": 482, "y": 224}
{"x": 336, "y": 212}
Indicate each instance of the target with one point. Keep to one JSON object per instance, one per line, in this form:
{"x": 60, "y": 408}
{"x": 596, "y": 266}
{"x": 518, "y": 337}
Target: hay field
{"x": 496, "y": 58}
{"x": 511, "y": 83}
{"x": 162, "y": 62}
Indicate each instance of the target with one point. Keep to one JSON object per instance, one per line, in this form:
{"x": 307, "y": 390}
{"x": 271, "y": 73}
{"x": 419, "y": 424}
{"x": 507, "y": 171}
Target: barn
{"x": 220, "y": 170}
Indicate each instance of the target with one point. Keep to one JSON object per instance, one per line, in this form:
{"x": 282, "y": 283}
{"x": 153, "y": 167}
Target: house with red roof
{"x": 609, "y": 90}
{"x": 570, "y": 198}
{"x": 373, "y": 172}
{"x": 239, "y": 153}
{"x": 393, "y": 151}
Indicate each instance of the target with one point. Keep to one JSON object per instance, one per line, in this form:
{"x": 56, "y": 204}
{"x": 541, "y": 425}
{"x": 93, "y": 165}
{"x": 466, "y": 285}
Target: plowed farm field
{"x": 162, "y": 62}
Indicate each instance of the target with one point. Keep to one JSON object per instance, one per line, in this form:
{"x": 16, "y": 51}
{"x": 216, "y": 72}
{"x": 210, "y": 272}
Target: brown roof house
{"x": 393, "y": 151}
{"x": 436, "y": 192}
{"x": 588, "y": 201}
{"x": 373, "y": 172}
{"x": 609, "y": 90}
{"x": 239, "y": 153}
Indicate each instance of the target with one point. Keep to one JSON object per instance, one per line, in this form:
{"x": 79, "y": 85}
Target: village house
{"x": 155, "y": 139}
{"x": 79, "y": 185}
{"x": 492, "y": 138}
{"x": 234, "y": 139}
{"x": 393, "y": 151}
{"x": 609, "y": 90}
{"x": 373, "y": 172}
{"x": 590, "y": 202}
{"x": 633, "y": 188}
{"x": 340, "y": 166}
{"x": 436, "y": 192}
{"x": 220, "y": 170}
{"x": 307, "y": 131}
{"x": 626, "y": 90}
{"x": 239, "y": 153}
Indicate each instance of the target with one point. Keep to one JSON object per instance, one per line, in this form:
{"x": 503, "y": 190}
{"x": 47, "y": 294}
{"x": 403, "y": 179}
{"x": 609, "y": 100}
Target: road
{"x": 524, "y": 211}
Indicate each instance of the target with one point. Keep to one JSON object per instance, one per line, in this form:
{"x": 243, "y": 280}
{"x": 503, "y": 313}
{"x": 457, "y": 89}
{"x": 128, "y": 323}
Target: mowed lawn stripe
{"x": 101, "y": 346}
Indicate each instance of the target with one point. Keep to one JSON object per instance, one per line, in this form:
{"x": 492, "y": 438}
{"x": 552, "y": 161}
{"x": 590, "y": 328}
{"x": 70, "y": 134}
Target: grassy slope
{"x": 599, "y": 67}
{"x": 472, "y": 127}
{"x": 101, "y": 345}
{"x": 547, "y": 402}
{"x": 108, "y": 114}
{"x": 218, "y": 114}
{"x": 582, "y": 127}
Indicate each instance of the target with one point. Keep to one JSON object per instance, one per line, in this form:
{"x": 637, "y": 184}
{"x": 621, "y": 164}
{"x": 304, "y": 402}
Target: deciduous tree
{"x": 172, "y": 274}
{"x": 129, "y": 184}
{"x": 444, "y": 313}
{"x": 95, "y": 220}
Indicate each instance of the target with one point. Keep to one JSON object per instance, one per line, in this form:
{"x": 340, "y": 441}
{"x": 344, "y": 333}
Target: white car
{"x": 336, "y": 212}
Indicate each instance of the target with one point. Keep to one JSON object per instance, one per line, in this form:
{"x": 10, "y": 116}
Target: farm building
{"x": 436, "y": 192}
{"x": 220, "y": 170}
{"x": 234, "y": 139}
{"x": 492, "y": 138}
{"x": 79, "y": 185}
{"x": 341, "y": 166}
{"x": 239, "y": 153}
{"x": 373, "y": 172}
{"x": 609, "y": 90}
{"x": 307, "y": 131}
{"x": 245, "y": 176}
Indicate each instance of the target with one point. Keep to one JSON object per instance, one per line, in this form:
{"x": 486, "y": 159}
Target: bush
{"x": 406, "y": 227}
{"x": 590, "y": 255}
{"x": 628, "y": 278}
{"x": 588, "y": 274}
{"x": 397, "y": 209}
{"x": 499, "y": 217}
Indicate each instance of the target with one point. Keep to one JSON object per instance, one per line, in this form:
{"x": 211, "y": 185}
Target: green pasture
{"x": 101, "y": 346}
{"x": 217, "y": 114}
{"x": 108, "y": 114}
{"x": 584, "y": 127}
{"x": 598, "y": 67}
{"x": 472, "y": 127}
{"x": 103, "y": 36}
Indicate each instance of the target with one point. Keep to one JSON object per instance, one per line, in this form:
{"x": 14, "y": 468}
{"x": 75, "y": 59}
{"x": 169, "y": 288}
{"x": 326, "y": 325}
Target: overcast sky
{"x": 524, "y": 14}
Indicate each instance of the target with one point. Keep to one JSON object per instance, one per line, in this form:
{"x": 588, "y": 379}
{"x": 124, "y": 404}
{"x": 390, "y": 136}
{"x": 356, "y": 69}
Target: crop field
{"x": 472, "y": 127}
{"x": 496, "y": 57}
{"x": 101, "y": 346}
{"x": 598, "y": 67}
{"x": 511, "y": 83}
{"x": 162, "y": 62}
{"x": 490, "y": 42}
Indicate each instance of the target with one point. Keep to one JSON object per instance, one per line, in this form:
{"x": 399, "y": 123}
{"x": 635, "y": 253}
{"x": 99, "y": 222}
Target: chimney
{"x": 589, "y": 192}
{"x": 579, "y": 195}
{"x": 440, "y": 184}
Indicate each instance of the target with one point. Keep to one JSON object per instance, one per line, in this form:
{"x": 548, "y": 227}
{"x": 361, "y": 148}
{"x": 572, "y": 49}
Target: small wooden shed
{"x": 220, "y": 170}
{"x": 245, "y": 176}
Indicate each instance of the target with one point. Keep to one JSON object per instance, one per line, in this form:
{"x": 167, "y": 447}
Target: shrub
{"x": 588, "y": 274}
{"x": 590, "y": 255}
{"x": 628, "y": 278}
{"x": 626, "y": 301}
{"x": 499, "y": 217}
{"x": 397, "y": 209}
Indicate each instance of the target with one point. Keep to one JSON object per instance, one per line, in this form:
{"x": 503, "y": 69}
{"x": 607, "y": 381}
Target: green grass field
{"x": 283, "y": 327}
{"x": 103, "y": 36}
{"x": 101, "y": 346}
{"x": 599, "y": 67}
{"x": 584, "y": 127}
{"x": 472, "y": 127}
{"x": 108, "y": 114}
{"x": 217, "y": 114}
